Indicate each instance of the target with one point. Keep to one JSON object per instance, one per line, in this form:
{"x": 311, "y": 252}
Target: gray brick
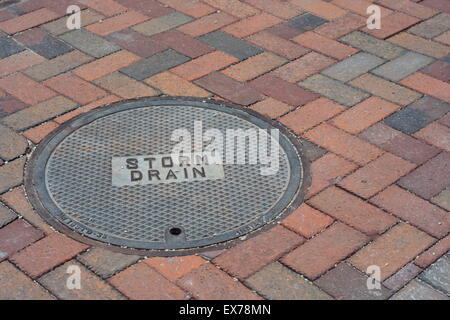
{"x": 353, "y": 67}
{"x": 11, "y": 174}
{"x": 334, "y": 90}
{"x": 432, "y": 27}
{"x": 438, "y": 275}
{"x": 59, "y": 26}
{"x": 443, "y": 199}
{"x": 89, "y": 43}
{"x": 6, "y": 215}
{"x": 12, "y": 144}
{"x": 155, "y": 64}
{"x": 311, "y": 150}
{"x": 417, "y": 115}
{"x": 372, "y": 45}
{"x": 346, "y": 283}
{"x": 306, "y": 22}
{"x": 402, "y": 66}
{"x": 161, "y": 24}
{"x": 51, "y": 47}
{"x": 231, "y": 45}
{"x": 51, "y": 68}
{"x": 106, "y": 263}
{"x": 276, "y": 282}
{"x": 417, "y": 290}
{"x": 9, "y": 47}
{"x": 38, "y": 113}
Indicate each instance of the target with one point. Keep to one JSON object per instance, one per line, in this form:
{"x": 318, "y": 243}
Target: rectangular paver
{"x": 402, "y": 66}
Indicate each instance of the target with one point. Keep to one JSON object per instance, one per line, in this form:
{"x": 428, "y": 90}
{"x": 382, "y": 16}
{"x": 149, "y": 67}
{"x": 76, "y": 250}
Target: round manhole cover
{"x": 166, "y": 175}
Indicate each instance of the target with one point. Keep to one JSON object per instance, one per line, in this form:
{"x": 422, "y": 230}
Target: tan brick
{"x": 204, "y": 65}
{"x": 428, "y": 85}
{"x": 105, "y": 65}
{"x": 251, "y": 25}
{"x": 174, "y": 85}
{"x": 385, "y": 89}
{"x": 175, "y": 268}
{"x": 307, "y": 221}
{"x": 253, "y": 67}
{"x": 424, "y": 46}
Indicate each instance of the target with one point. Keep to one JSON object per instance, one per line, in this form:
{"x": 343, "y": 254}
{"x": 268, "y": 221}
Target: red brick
{"x": 392, "y": 250}
{"x": 151, "y": 8}
{"x": 277, "y": 45}
{"x": 320, "y": 8}
{"x": 343, "y": 144}
{"x": 281, "y": 9}
{"x": 409, "y": 7}
{"x": 271, "y": 108}
{"x": 207, "y": 24}
{"x": 377, "y": 175}
{"x": 327, "y": 170}
{"x": 105, "y": 65}
{"x": 107, "y": 7}
{"x": 307, "y": 221}
{"x": 430, "y": 178}
{"x": 16, "y": 236}
{"x": 441, "y": 5}
{"x": 433, "y": 253}
{"x": 398, "y": 143}
{"x": 322, "y": 252}
{"x": 392, "y": 24}
{"x": 435, "y": 134}
{"x": 137, "y": 43}
{"x": 364, "y": 114}
{"x": 193, "y": 8}
{"x": 303, "y": 67}
{"x": 25, "y": 89}
{"x": 36, "y": 134}
{"x": 141, "y": 282}
{"x": 324, "y": 45}
{"x": 265, "y": 249}
{"x": 311, "y": 114}
{"x": 428, "y": 85}
{"x": 28, "y": 20}
{"x": 253, "y": 67}
{"x": 182, "y": 43}
{"x": 234, "y": 7}
{"x": 229, "y": 89}
{"x": 251, "y": 25}
{"x": 19, "y": 61}
{"x": 75, "y": 88}
{"x": 353, "y": 211}
{"x": 282, "y": 90}
{"x": 439, "y": 70}
{"x": 204, "y": 65}
{"x": 120, "y": 22}
{"x": 341, "y": 26}
{"x": 44, "y": 255}
{"x": 175, "y": 268}
{"x": 210, "y": 283}
{"x": 415, "y": 210}
{"x": 360, "y": 6}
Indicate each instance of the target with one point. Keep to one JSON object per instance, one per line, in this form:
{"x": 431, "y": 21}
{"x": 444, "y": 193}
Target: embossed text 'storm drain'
{"x": 165, "y": 176}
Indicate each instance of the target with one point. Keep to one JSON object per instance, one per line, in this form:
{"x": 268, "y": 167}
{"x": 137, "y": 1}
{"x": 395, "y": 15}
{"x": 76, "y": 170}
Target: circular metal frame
{"x": 41, "y": 200}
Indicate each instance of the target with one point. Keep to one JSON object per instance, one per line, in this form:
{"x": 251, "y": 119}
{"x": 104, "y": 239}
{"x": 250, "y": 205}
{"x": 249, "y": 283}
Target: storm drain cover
{"x": 166, "y": 175}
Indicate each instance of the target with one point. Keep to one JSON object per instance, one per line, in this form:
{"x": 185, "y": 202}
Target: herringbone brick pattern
{"x": 372, "y": 107}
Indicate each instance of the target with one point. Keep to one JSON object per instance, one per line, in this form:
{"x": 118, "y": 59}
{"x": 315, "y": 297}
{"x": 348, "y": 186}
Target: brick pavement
{"x": 371, "y": 107}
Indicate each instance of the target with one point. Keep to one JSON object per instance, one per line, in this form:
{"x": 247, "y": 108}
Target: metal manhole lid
{"x": 110, "y": 177}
